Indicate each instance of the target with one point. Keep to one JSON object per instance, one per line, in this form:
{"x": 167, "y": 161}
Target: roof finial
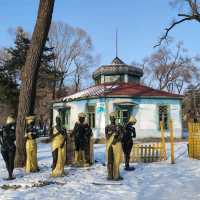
{"x": 116, "y": 42}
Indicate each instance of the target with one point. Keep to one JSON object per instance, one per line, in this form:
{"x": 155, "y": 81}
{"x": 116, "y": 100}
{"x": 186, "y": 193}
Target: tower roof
{"x": 117, "y": 61}
{"x": 117, "y": 67}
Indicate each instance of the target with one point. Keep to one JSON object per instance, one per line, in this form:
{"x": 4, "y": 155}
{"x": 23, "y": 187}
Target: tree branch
{"x": 164, "y": 37}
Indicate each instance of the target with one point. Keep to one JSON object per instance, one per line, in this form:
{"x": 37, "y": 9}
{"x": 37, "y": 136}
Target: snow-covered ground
{"x": 155, "y": 181}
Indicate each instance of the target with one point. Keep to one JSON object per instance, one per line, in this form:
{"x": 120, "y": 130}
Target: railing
{"x": 150, "y": 152}
{"x": 194, "y": 140}
{"x": 147, "y": 153}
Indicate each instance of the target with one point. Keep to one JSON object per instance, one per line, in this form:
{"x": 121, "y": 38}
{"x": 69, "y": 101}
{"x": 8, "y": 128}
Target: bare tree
{"x": 191, "y": 103}
{"x": 189, "y": 11}
{"x": 30, "y": 74}
{"x": 147, "y": 78}
{"x": 82, "y": 70}
{"x": 170, "y": 70}
{"x": 71, "y": 47}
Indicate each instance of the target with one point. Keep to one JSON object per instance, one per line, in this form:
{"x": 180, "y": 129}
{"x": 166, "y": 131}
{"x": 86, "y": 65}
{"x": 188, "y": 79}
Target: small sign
{"x": 100, "y": 107}
{"x": 174, "y": 107}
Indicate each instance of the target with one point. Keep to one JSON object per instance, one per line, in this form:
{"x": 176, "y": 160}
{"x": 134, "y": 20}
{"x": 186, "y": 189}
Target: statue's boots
{"x": 83, "y": 160}
{"x": 110, "y": 172}
{"x": 116, "y": 173}
{"x": 55, "y": 158}
{"x": 9, "y": 157}
{"x": 127, "y": 167}
{"x": 11, "y": 168}
{"x": 77, "y": 159}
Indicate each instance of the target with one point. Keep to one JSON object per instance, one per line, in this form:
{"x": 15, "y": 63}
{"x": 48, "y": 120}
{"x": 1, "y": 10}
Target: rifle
{"x": 1, "y": 135}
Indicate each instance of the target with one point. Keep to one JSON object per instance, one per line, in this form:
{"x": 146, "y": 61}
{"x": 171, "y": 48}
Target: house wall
{"x": 148, "y": 119}
{"x": 145, "y": 111}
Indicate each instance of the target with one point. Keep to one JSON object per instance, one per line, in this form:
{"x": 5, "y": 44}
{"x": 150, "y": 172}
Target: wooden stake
{"x": 153, "y": 153}
{"x": 190, "y": 140}
{"x": 172, "y": 141}
{"x": 157, "y": 151}
{"x": 164, "y": 153}
{"x": 149, "y": 154}
{"x": 138, "y": 153}
{"x": 91, "y": 151}
{"x": 145, "y": 154}
{"x": 142, "y": 153}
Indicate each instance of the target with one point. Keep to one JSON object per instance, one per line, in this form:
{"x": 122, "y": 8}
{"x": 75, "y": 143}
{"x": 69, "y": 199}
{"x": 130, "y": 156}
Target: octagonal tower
{"x": 117, "y": 72}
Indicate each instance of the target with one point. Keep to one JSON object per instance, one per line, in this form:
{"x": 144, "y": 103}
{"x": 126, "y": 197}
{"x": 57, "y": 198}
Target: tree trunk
{"x": 61, "y": 84}
{"x": 51, "y": 107}
{"x": 30, "y": 73}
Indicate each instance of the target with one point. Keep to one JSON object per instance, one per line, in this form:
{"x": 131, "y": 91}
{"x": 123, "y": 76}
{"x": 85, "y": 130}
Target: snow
{"x": 160, "y": 180}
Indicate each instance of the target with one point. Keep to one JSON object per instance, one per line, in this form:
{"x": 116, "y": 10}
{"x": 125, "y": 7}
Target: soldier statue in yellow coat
{"x": 59, "y": 139}
{"x": 31, "y": 145}
{"x": 113, "y": 133}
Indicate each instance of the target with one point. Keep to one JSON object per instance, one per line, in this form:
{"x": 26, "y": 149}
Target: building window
{"x": 67, "y": 118}
{"x": 64, "y": 114}
{"x": 133, "y": 79}
{"x": 114, "y": 78}
{"x": 91, "y": 115}
{"x": 98, "y": 81}
{"x": 123, "y": 116}
{"x": 163, "y": 116}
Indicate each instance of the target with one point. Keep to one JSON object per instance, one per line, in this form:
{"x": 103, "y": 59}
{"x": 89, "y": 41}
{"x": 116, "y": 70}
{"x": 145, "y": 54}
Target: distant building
{"x": 117, "y": 88}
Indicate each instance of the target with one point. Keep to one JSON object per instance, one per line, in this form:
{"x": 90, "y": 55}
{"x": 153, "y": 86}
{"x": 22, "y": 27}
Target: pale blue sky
{"x": 140, "y": 23}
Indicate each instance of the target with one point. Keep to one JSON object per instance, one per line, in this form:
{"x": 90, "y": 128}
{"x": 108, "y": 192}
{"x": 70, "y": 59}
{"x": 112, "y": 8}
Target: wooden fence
{"x": 147, "y": 153}
{"x": 194, "y": 140}
{"x": 150, "y": 152}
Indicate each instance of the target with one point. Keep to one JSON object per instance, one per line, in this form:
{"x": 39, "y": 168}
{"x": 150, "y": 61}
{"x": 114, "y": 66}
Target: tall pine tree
{"x": 12, "y": 67}
{"x": 30, "y": 74}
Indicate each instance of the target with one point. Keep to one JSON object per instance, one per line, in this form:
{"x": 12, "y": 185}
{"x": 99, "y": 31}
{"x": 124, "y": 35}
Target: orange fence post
{"x": 172, "y": 141}
{"x": 157, "y": 151}
{"x": 145, "y": 153}
{"x": 91, "y": 156}
{"x": 164, "y": 153}
{"x": 190, "y": 140}
{"x": 149, "y": 153}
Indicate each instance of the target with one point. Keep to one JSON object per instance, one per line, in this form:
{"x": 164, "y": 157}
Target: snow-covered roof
{"x": 98, "y": 90}
{"x": 120, "y": 89}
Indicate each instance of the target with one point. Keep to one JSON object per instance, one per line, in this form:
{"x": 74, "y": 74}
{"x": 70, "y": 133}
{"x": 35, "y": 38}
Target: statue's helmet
{"x": 30, "y": 119}
{"x": 10, "y": 120}
{"x": 113, "y": 114}
{"x": 132, "y": 119}
{"x": 81, "y": 115}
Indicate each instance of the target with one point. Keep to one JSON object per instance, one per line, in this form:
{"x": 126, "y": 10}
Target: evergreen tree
{"x": 12, "y": 66}
{"x": 8, "y": 85}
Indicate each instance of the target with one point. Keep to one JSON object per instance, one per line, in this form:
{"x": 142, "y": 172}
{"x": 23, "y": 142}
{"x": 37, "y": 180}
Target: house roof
{"x": 121, "y": 89}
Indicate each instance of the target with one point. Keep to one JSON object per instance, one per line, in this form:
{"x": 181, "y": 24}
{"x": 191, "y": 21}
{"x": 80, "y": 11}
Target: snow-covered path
{"x": 156, "y": 181}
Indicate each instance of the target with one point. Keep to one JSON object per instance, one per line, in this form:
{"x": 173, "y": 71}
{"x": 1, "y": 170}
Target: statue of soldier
{"x": 59, "y": 139}
{"x": 8, "y": 148}
{"x": 113, "y": 133}
{"x": 127, "y": 141}
{"x": 31, "y": 145}
{"x": 82, "y": 135}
